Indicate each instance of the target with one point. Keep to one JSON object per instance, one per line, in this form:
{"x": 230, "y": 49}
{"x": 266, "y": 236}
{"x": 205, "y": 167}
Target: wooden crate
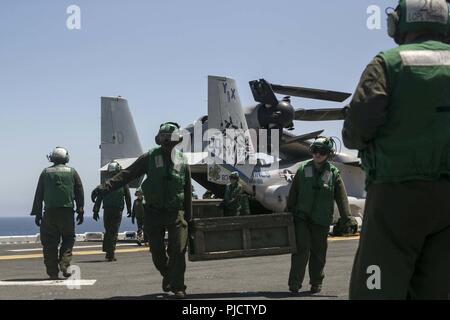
{"x": 206, "y": 208}
{"x": 243, "y": 236}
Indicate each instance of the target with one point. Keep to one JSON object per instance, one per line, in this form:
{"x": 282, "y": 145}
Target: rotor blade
{"x": 319, "y": 114}
{"x": 263, "y": 93}
{"x": 310, "y": 93}
{"x": 302, "y": 137}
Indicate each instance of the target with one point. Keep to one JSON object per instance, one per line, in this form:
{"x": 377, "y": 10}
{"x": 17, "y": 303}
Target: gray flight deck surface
{"x": 133, "y": 275}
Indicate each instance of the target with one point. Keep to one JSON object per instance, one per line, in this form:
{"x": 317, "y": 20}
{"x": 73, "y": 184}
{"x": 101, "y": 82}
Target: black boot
{"x": 294, "y": 290}
{"x": 110, "y": 257}
{"x": 166, "y": 285}
{"x": 316, "y": 288}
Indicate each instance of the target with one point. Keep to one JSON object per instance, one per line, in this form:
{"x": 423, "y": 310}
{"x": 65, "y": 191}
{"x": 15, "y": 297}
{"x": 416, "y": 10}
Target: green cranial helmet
{"x": 234, "y": 175}
{"x": 114, "y": 167}
{"x": 59, "y": 155}
{"x": 168, "y": 132}
{"x": 322, "y": 143}
{"x": 431, "y": 16}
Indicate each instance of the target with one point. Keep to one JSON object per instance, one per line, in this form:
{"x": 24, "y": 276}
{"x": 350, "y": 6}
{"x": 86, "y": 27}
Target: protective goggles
{"x": 168, "y": 137}
{"x": 321, "y": 151}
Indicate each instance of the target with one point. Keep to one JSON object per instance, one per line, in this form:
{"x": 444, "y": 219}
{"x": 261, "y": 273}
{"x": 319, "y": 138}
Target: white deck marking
{"x": 49, "y": 283}
{"x": 76, "y": 247}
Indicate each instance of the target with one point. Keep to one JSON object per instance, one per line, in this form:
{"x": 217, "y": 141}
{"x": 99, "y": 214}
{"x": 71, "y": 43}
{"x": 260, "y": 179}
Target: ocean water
{"x": 12, "y": 226}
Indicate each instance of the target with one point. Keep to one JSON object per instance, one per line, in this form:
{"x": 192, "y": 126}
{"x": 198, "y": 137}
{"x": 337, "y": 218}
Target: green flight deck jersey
{"x": 314, "y": 191}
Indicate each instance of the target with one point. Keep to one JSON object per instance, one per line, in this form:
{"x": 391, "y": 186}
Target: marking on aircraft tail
{"x": 233, "y": 94}
{"x": 79, "y": 253}
{"x": 230, "y": 168}
{"x": 49, "y": 283}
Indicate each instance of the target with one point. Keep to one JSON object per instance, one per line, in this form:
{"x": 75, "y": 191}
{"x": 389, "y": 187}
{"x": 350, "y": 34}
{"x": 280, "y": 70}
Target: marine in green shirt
{"x": 316, "y": 186}
{"x": 138, "y": 215}
{"x": 59, "y": 188}
{"x": 399, "y": 120}
{"x": 113, "y": 205}
{"x": 232, "y": 198}
{"x": 168, "y": 204}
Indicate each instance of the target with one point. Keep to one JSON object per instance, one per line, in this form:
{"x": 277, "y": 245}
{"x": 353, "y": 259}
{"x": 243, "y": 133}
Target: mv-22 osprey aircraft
{"x": 269, "y": 178}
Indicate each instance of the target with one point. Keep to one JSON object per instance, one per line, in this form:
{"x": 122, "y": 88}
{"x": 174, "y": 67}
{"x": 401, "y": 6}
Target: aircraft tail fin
{"x": 119, "y": 138}
{"x": 224, "y": 105}
{"x": 225, "y": 113}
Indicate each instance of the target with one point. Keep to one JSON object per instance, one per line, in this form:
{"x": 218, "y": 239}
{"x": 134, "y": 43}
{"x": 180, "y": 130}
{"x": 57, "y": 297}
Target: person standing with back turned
{"x": 59, "y": 187}
{"x": 399, "y": 120}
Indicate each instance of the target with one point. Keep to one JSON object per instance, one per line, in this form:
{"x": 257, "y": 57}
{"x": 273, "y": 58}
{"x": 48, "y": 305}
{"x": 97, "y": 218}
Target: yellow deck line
{"x": 78, "y": 253}
{"x": 144, "y": 249}
{"x": 343, "y": 238}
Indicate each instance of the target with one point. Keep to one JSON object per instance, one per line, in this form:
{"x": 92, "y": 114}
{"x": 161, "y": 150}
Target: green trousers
{"x": 112, "y": 218}
{"x": 311, "y": 240}
{"x": 142, "y": 235}
{"x": 57, "y": 227}
{"x": 406, "y": 236}
{"x": 170, "y": 262}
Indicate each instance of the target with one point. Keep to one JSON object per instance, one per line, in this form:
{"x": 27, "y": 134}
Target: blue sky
{"x": 158, "y": 55}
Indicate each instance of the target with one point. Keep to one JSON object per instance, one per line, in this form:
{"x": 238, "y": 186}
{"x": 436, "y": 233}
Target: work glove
{"x": 96, "y": 216}
{"x": 346, "y": 227}
{"x": 352, "y": 225}
{"x": 96, "y": 193}
{"x": 38, "y": 220}
{"x": 80, "y": 218}
{"x": 80, "y": 215}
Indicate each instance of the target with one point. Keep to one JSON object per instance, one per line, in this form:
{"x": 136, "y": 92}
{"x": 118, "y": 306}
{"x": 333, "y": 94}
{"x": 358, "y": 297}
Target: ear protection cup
{"x": 392, "y": 23}
{"x": 333, "y": 149}
{"x": 157, "y": 140}
{"x": 51, "y": 157}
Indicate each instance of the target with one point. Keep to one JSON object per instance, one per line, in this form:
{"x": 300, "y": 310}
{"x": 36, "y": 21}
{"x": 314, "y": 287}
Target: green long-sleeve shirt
{"x": 367, "y": 111}
{"x": 139, "y": 168}
{"x": 232, "y": 197}
{"x": 340, "y": 196}
{"x": 127, "y": 198}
